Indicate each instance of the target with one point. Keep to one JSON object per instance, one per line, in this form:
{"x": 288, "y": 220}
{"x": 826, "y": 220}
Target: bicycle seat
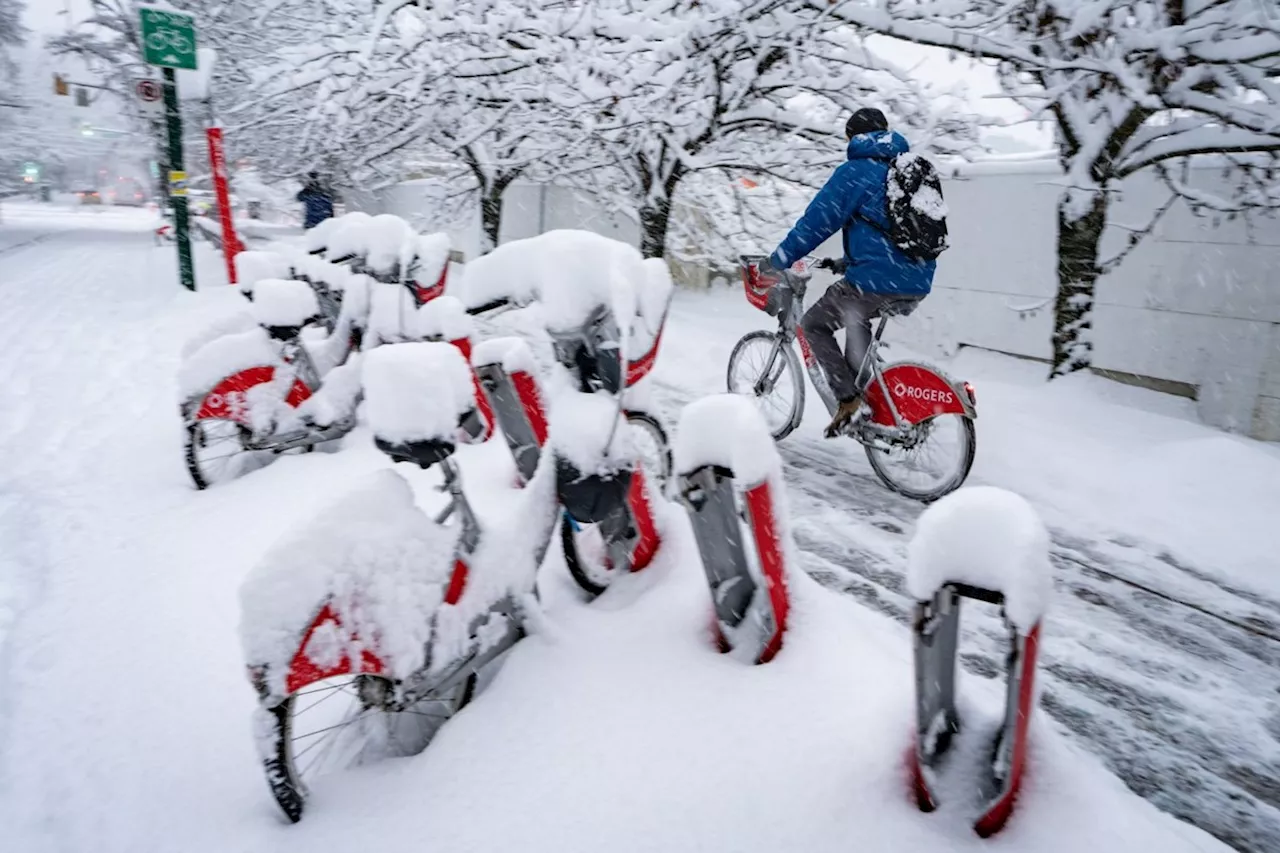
{"x": 899, "y": 307}
{"x": 283, "y": 333}
{"x": 424, "y": 454}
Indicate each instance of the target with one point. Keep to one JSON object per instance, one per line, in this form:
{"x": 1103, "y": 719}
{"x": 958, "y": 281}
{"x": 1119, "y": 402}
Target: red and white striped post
{"x": 218, "y": 162}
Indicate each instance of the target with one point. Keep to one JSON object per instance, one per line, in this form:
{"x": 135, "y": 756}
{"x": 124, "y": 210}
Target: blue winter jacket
{"x": 851, "y": 197}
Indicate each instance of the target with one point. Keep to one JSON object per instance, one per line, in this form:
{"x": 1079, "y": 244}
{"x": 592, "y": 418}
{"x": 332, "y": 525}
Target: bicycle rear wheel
{"x": 764, "y": 367}
{"x": 930, "y": 460}
{"x": 343, "y": 722}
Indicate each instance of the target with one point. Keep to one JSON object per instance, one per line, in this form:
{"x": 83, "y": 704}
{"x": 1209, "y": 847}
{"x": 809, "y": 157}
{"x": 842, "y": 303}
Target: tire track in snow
{"x": 1182, "y": 706}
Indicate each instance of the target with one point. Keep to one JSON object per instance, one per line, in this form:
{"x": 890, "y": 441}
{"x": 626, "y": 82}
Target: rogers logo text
{"x": 932, "y": 395}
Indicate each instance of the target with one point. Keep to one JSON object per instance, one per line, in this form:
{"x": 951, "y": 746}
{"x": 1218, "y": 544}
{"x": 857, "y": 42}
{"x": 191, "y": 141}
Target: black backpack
{"x": 914, "y": 207}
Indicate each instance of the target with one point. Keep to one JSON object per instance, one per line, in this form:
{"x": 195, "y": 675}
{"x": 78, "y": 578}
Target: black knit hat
{"x": 865, "y": 120}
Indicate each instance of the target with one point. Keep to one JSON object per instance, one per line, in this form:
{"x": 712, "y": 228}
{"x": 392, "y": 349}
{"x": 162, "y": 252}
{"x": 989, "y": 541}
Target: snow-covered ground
{"x": 125, "y": 712}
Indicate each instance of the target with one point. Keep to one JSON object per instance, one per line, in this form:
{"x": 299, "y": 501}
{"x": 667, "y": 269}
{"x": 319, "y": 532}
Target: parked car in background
{"x": 128, "y": 192}
{"x": 89, "y": 197}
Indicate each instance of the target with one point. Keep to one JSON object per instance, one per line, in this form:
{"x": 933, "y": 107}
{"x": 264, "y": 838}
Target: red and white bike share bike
{"x": 264, "y": 400}
{"x": 916, "y": 422}
{"x": 340, "y": 692}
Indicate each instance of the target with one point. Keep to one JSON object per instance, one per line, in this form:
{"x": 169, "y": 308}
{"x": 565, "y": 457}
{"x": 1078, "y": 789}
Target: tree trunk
{"x": 654, "y": 218}
{"x": 1079, "y": 238}
{"x": 491, "y": 215}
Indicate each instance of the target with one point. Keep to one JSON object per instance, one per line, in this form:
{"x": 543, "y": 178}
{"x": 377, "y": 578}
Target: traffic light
{"x": 59, "y": 85}
{"x": 82, "y": 97}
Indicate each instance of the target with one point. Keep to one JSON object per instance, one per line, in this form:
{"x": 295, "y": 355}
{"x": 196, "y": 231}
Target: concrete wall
{"x": 1196, "y": 306}
{"x": 1194, "y": 310}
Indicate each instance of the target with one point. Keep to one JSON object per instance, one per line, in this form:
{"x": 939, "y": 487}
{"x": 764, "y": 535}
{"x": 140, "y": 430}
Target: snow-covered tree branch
{"x": 680, "y": 88}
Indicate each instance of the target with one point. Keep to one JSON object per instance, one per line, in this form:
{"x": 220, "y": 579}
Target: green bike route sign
{"x": 168, "y": 38}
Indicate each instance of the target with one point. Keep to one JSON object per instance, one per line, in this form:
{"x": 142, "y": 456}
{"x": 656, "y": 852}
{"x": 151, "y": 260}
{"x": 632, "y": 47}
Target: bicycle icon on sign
{"x": 169, "y": 40}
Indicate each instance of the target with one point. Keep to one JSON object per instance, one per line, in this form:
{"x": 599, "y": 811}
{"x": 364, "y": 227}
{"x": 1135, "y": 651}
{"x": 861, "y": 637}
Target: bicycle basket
{"x": 591, "y": 352}
{"x": 771, "y": 295}
{"x": 590, "y": 498}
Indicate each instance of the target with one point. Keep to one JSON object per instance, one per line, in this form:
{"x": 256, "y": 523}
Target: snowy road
{"x": 123, "y": 700}
{"x": 1183, "y": 705}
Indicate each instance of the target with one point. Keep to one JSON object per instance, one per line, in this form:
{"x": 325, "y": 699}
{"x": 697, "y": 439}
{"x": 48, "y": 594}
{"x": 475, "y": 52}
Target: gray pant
{"x": 844, "y": 306}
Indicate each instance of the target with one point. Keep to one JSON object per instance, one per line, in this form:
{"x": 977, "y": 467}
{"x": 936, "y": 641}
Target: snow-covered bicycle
{"x": 398, "y": 616}
{"x": 604, "y": 335}
{"x": 916, "y": 423}
{"x": 250, "y": 394}
{"x": 366, "y": 629}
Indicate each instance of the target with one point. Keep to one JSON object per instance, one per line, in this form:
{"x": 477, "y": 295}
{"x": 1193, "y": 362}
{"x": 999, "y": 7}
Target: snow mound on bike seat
{"x": 589, "y": 431}
{"x": 226, "y": 356}
{"x": 376, "y": 559}
{"x": 317, "y": 238}
{"x": 389, "y": 244}
{"x": 511, "y": 353}
{"x": 284, "y": 302}
{"x": 986, "y": 537}
{"x": 253, "y": 266}
{"x": 430, "y": 254}
{"x": 570, "y": 273}
{"x": 443, "y": 318}
{"x": 417, "y": 391}
{"x": 240, "y": 321}
{"x": 347, "y": 238}
{"x": 726, "y": 430}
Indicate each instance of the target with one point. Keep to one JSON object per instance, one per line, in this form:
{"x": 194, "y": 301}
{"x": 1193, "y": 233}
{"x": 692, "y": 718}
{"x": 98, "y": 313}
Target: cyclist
{"x": 875, "y": 271}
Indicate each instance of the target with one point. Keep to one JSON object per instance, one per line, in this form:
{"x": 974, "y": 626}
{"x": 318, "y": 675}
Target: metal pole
{"x": 218, "y": 163}
{"x": 173, "y": 118}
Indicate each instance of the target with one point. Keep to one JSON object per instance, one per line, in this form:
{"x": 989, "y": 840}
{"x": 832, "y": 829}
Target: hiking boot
{"x": 844, "y": 414}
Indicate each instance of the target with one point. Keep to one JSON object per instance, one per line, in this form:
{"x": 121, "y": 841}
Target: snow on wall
{"x": 1195, "y": 304}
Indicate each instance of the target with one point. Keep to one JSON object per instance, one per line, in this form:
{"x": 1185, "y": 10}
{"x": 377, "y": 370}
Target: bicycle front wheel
{"x": 764, "y": 367}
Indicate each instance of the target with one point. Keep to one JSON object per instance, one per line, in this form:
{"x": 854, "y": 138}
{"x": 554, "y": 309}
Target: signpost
{"x": 169, "y": 41}
{"x": 150, "y": 95}
{"x": 168, "y": 38}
